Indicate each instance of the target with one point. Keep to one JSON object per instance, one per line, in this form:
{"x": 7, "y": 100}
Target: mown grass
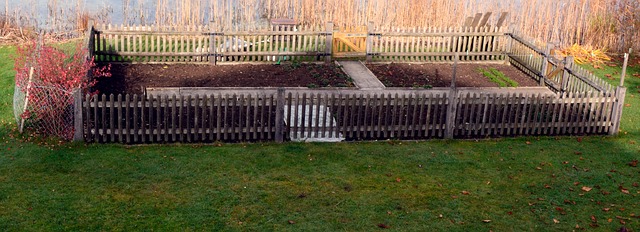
{"x": 516, "y": 183}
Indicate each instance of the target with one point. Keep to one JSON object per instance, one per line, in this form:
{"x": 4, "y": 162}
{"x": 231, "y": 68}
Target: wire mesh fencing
{"x": 46, "y": 110}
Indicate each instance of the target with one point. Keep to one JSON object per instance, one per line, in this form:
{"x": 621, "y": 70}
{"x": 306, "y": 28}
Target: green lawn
{"x": 521, "y": 184}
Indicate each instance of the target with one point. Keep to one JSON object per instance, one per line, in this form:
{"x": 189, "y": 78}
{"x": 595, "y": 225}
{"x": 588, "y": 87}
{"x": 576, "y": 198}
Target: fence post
{"x": 90, "y": 38}
{"x": 77, "y": 116}
{"x": 329, "y": 42}
{"x": 280, "y": 116}
{"x": 213, "y": 57}
{"x": 510, "y": 33}
{"x": 568, "y": 63}
{"x": 452, "y": 107}
{"x": 620, "y": 95}
{"x": 545, "y": 64}
{"x": 369, "y": 43}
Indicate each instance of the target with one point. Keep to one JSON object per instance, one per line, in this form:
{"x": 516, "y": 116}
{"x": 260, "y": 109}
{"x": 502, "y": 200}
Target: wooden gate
{"x": 350, "y": 42}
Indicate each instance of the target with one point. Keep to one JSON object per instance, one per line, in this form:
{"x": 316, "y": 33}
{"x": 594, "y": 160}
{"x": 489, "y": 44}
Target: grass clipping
{"x": 498, "y": 77}
{"x": 586, "y": 55}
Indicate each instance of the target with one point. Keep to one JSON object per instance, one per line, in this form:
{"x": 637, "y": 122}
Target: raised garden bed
{"x": 439, "y": 75}
{"x": 132, "y": 78}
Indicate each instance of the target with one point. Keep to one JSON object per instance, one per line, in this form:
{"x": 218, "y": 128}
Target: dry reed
{"x": 608, "y": 24}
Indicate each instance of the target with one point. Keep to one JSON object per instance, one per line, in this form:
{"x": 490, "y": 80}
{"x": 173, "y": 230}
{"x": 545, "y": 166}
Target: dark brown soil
{"x": 439, "y": 75}
{"x": 132, "y": 78}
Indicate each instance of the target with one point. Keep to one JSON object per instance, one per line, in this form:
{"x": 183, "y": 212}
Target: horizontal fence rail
{"x": 273, "y": 115}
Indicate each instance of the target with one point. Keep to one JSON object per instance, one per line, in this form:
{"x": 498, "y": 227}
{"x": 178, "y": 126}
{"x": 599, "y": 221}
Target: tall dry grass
{"x": 608, "y": 24}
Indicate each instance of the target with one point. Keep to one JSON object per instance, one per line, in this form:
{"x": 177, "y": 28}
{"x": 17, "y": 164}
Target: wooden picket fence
{"x": 472, "y": 44}
{"x": 281, "y": 115}
{"x": 204, "y": 44}
{"x": 540, "y": 64}
{"x": 578, "y": 103}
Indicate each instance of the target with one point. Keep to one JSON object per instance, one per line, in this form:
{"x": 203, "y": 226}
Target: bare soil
{"x": 133, "y": 78}
{"x": 440, "y": 75}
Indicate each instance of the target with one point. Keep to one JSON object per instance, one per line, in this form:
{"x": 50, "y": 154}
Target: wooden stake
{"x": 280, "y": 116}
{"x": 77, "y": 116}
{"x": 624, "y": 68}
{"x": 328, "y": 42}
{"x": 26, "y": 101}
{"x": 453, "y": 105}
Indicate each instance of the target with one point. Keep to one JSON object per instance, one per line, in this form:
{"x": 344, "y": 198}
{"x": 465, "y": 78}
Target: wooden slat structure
{"x": 539, "y": 64}
{"x": 272, "y": 115}
{"x": 203, "y": 44}
{"x": 578, "y": 102}
{"x": 473, "y": 44}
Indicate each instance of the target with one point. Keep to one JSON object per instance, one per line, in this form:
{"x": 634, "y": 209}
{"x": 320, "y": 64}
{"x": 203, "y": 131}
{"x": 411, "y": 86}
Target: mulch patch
{"x": 133, "y": 78}
{"x": 439, "y": 75}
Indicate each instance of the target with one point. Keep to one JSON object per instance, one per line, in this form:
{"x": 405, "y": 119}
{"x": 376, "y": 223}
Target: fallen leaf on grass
{"x": 627, "y": 105}
{"x": 527, "y": 142}
{"x": 606, "y": 209}
{"x": 465, "y": 193}
{"x": 383, "y": 226}
{"x": 538, "y": 168}
{"x": 556, "y": 221}
{"x": 586, "y": 189}
{"x": 486, "y": 221}
{"x": 633, "y": 163}
{"x": 291, "y": 222}
{"x": 635, "y": 184}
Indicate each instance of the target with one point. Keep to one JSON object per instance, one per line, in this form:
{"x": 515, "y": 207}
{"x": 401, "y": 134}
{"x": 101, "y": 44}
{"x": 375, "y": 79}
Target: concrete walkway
{"x": 362, "y": 77}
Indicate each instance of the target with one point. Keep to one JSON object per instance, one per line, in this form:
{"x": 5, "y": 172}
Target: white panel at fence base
{"x": 311, "y": 116}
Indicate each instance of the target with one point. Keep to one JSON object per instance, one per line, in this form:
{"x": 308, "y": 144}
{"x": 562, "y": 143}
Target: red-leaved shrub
{"x": 48, "y": 107}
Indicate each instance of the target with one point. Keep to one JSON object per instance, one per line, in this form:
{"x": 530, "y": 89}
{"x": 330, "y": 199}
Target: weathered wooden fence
{"x": 559, "y": 75}
{"x": 578, "y": 103}
{"x": 272, "y": 115}
{"x": 203, "y": 44}
{"x": 436, "y": 44}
